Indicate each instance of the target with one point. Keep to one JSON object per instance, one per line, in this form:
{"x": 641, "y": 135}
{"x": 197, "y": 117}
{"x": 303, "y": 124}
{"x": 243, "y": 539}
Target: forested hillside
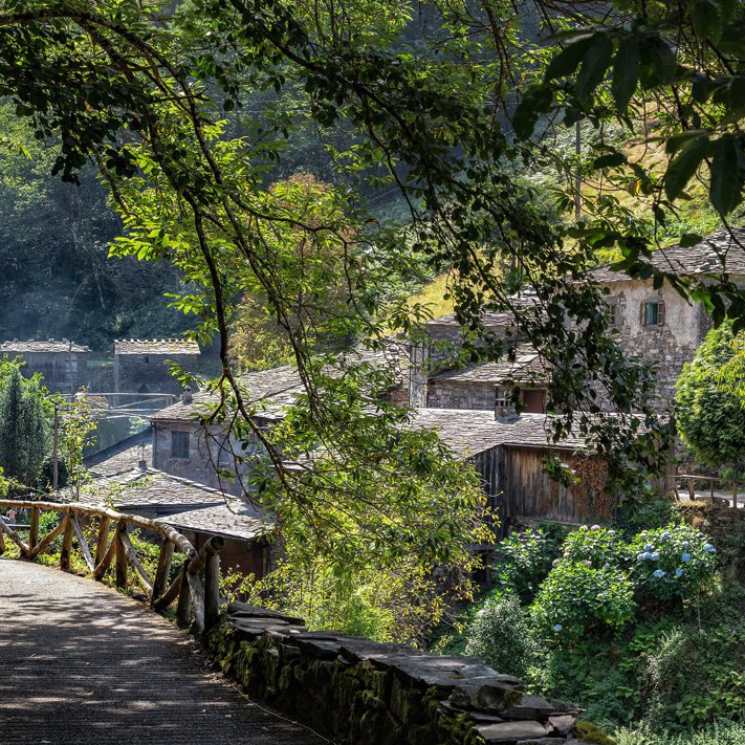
{"x": 56, "y": 279}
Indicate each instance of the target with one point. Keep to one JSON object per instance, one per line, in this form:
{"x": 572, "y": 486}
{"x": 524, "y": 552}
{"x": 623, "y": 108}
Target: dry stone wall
{"x": 360, "y": 692}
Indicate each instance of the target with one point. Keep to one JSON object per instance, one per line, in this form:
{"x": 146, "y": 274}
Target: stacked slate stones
{"x": 361, "y": 692}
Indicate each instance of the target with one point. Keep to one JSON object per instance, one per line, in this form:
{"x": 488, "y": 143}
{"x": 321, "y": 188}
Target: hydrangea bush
{"x": 576, "y": 599}
{"x": 523, "y": 560}
{"x": 601, "y": 547}
{"x": 673, "y": 563}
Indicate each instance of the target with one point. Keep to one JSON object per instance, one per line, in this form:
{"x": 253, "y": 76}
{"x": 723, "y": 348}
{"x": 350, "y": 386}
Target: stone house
{"x": 493, "y": 386}
{"x": 658, "y": 325}
{"x": 196, "y": 510}
{"x": 143, "y": 365}
{"x": 62, "y": 362}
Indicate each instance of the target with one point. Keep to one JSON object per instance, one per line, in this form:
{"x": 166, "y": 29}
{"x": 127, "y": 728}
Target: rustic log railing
{"x": 195, "y": 588}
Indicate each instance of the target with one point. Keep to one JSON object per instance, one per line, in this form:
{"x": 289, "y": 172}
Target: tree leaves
{"x": 625, "y": 72}
{"x": 594, "y": 65}
{"x": 707, "y": 19}
{"x": 684, "y": 165}
{"x": 537, "y": 100}
{"x": 726, "y": 174}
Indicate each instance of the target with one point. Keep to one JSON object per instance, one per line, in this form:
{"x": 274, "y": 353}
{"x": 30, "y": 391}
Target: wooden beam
{"x": 48, "y": 539}
{"x": 164, "y": 568}
{"x": 135, "y": 562}
{"x": 121, "y": 554}
{"x": 82, "y": 542}
{"x": 103, "y": 535}
{"x": 4, "y": 527}
{"x": 64, "y": 559}
{"x": 103, "y": 565}
{"x": 33, "y": 537}
{"x": 164, "y": 600}
{"x": 183, "y": 610}
{"x": 212, "y": 584}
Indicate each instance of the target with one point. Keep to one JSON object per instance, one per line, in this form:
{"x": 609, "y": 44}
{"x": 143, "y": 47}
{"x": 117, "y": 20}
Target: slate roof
{"x": 470, "y": 432}
{"x": 41, "y": 346}
{"x": 124, "y": 456}
{"x": 231, "y": 520}
{"x": 715, "y": 254}
{"x": 155, "y": 346}
{"x": 149, "y": 487}
{"x": 527, "y": 367}
{"x": 178, "y": 502}
{"x": 490, "y": 319}
{"x": 275, "y": 389}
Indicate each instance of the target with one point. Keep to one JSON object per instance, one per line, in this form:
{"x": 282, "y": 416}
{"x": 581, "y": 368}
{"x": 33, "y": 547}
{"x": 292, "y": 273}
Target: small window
{"x": 653, "y": 313}
{"x": 179, "y": 444}
{"x": 147, "y": 360}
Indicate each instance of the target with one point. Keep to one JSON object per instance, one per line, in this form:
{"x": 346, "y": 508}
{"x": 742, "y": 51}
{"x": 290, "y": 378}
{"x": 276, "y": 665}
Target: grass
{"x": 725, "y": 733}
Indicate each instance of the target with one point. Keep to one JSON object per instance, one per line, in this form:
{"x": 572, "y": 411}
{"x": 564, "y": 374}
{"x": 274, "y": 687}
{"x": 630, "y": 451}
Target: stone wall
{"x": 667, "y": 346}
{"x": 444, "y": 394}
{"x": 150, "y": 373}
{"x": 359, "y": 692}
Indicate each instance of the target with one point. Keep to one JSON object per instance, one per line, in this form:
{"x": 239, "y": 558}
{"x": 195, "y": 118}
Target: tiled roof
{"x": 715, "y": 254}
{"x": 155, "y": 346}
{"x": 470, "y": 432}
{"x": 527, "y": 367}
{"x": 41, "y": 346}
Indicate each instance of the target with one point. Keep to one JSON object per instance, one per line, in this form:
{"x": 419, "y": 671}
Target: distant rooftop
{"x": 717, "y": 253}
{"x": 273, "y": 390}
{"x": 41, "y": 346}
{"x": 155, "y": 346}
{"x": 491, "y": 319}
{"x": 527, "y": 367}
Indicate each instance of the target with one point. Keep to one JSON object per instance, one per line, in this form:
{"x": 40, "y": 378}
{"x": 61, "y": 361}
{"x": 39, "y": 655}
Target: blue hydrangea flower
{"x": 655, "y": 556}
{"x": 557, "y": 627}
{"x": 685, "y": 557}
{"x": 659, "y": 573}
{"x": 594, "y": 527}
{"x": 678, "y": 572}
{"x": 649, "y": 547}
{"x": 709, "y": 548}
{"x": 641, "y": 557}
{"x": 666, "y": 535}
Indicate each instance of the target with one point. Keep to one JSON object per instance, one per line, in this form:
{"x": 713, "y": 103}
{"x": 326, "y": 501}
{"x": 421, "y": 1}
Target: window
{"x": 653, "y": 313}
{"x": 179, "y": 444}
{"x": 500, "y": 401}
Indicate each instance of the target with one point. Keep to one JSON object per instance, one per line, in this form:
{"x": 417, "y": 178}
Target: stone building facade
{"x": 63, "y": 363}
{"x": 659, "y": 326}
{"x": 143, "y": 365}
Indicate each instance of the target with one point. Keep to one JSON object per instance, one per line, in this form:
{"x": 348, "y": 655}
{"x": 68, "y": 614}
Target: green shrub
{"x": 671, "y": 564}
{"x": 500, "y": 634}
{"x": 523, "y": 560}
{"x": 601, "y": 547}
{"x": 577, "y": 599}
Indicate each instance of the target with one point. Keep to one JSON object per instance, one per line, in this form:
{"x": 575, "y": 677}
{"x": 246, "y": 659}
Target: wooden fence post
{"x": 103, "y": 534}
{"x": 183, "y": 610}
{"x": 33, "y": 537}
{"x": 212, "y": 584}
{"x": 64, "y": 558}
{"x": 121, "y": 555}
{"x": 163, "y": 571}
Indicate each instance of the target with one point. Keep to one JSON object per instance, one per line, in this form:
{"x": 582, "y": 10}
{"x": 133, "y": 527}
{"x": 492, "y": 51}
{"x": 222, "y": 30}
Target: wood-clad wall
{"x": 518, "y": 487}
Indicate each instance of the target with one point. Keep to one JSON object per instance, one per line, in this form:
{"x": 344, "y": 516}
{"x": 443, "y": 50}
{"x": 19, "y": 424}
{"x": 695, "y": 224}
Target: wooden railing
{"x": 195, "y": 588}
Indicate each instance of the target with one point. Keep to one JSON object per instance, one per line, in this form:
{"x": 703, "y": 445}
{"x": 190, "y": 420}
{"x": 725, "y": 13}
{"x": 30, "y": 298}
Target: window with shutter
{"x": 180, "y": 445}
{"x": 653, "y": 313}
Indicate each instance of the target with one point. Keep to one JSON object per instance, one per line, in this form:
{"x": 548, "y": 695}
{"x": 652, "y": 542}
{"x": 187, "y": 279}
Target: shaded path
{"x": 81, "y": 664}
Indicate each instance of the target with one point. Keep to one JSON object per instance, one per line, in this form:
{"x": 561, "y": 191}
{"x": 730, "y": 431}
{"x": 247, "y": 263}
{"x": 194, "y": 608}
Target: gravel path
{"x": 81, "y": 664}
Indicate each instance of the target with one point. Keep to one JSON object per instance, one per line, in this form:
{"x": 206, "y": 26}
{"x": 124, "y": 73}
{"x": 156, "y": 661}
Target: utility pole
{"x": 577, "y": 173}
{"x": 55, "y": 449}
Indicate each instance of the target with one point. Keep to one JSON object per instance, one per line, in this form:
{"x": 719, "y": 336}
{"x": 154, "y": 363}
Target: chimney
{"x": 187, "y": 397}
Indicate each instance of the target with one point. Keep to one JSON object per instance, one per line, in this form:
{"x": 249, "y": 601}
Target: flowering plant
{"x": 600, "y": 547}
{"x": 673, "y": 563}
{"x": 576, "y": 598}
